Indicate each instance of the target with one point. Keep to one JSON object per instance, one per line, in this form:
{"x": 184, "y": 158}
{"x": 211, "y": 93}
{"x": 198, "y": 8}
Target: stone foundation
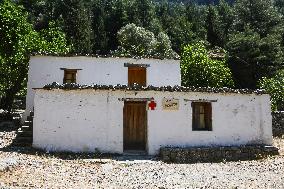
{"x": 215, "y": 154}
{"x": 278, "y": 123}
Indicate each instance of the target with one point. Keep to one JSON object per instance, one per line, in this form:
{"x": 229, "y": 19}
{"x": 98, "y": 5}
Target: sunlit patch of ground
{"x": 28, "y": 168}
{"x": 279, "y": 143}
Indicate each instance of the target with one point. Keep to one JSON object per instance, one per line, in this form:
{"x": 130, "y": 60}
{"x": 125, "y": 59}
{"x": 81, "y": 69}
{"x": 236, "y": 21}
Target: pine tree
{"x": 225, "y": 21}
{"x": 77, "y": 25}
{"x": 196, "y": 16}
{"x": 117, "y": 16}
{"x": 100, "y": 40}
{"x": 181, "y": 33}
{"x": 280, "y": 6}
{"x": 260, "y": 15}
{"x": 213, "y": 37}
{"x": 144, "y": 11}
{"x": 254, "y": 46}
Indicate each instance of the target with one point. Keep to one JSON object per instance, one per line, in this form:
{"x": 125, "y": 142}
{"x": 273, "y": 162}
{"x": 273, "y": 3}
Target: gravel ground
{"x": 26, "y": 168}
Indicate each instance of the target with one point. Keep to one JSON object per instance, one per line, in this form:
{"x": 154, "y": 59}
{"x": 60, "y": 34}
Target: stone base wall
{"x": 215, "y": 154}
{"x": 278, "y": 123}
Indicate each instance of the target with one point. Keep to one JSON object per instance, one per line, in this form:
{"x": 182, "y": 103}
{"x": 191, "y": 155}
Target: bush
{"x": 137, "y": 41}
{"x": 199, "y": 70}
{"x": 275, "y": 87}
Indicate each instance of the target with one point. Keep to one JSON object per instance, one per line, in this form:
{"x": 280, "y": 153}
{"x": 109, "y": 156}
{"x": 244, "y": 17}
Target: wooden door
{"x": 137, "y": 75}
{"x": 134, "y": 126}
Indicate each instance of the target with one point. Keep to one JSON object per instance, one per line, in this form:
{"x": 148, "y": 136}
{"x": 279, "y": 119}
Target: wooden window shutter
{"x": 208, "y": 116}
{"x": 201, "y": 116}
{"x": 137, "y": 75}
{"x": 195, "y": 115}
{"x": 69, "y": 76}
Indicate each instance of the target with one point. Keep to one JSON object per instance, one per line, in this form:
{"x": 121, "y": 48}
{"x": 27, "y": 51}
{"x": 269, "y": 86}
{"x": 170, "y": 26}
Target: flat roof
{"x": 98, "y": 56}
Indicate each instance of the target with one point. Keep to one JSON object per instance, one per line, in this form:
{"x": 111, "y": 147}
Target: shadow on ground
{"x": 77, "y": 156}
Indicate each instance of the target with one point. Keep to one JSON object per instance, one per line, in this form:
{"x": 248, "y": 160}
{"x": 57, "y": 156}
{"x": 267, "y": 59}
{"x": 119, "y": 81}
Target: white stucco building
{"x": 103, "y": 71}
{"x": 116, "y": 119}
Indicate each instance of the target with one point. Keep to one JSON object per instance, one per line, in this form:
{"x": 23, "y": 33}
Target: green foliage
{"x": 52, "y": 39}
{"x": 279, "y": 4}
{"x": 213, "y": 36}
{"x": 196, "y": 15}
{"x": 163, "y": 46}
{"x": 100, "y": 41}
{"x": 137, "y": 41}
{"x": 260, "y": 15}
{"x": 218, "y": 23}
{"x": 18, "y": 40}
{"x": 254, "y": 44}
{"x": 275, "y": 87}
{"x": 144, "y": 12}
{"x": 77, "y": 25}
{"x": 181, "y": 33}
{"x": 251, "y": 31}
{"x": 199, "y": 70}
{"x": 225, "y": 21}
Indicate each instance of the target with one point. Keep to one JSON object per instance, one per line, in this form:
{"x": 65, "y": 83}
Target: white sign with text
{"x": 170, "y": 104}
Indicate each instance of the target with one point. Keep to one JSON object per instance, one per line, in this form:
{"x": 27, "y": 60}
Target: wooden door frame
{"x": 146, "y": 121}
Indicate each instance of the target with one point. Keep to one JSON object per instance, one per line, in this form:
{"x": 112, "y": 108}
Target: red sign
{"x": 152, "y": 105}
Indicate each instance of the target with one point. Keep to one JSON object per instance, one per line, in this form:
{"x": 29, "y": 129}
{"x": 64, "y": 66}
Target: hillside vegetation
{"x": 244, "y": 37}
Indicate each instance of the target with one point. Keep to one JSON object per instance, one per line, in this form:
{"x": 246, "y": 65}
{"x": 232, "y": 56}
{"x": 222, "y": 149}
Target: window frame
{"x": 207, "y": 107}
{"x": 74, "y": 75}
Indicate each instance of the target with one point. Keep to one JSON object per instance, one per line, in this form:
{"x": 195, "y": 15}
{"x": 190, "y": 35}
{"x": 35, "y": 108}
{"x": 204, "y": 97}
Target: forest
{"x": 235, "y": 44}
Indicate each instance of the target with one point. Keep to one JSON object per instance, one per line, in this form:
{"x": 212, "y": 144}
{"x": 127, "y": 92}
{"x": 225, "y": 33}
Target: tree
{"x": 117, "y": 16}
{"x": 163, "y": 47}
{"x": 100, "y": 41}
{"x": 174, "y": 21}
{"x": 279, "y": 4}
{"x": 254, "y": 44}
{"x": 35, "y": 8}
{"x": 77, "y": 25}
{"x": 274, "y": 86}
{"x": 213, "y": 35}
{"x": 225, "y": 19}
{"x": 52, "y": 40}
{"x": 137, "y": 41}
{"x": 199, "y": 70}
{"x": 144, "y": 12}
{"x": 17, "y": 37}
{"x": 181, "y": 33}
{"x": 261, "y": 16}
{"x": 196, "y": 16}
{"x": 18, "y": 40}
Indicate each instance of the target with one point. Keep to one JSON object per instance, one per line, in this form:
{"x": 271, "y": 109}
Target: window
{"x": 137, "y": 75}
{"x": 70, "y": 76}
{"x": 201, "y": 116}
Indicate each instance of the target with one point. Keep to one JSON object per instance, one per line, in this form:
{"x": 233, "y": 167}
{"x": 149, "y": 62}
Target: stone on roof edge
{"x": 96, "y": 56}
{"x": 135, "y": 87}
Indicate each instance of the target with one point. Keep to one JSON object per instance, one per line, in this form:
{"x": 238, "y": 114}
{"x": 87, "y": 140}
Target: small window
{"x": 70, "y": 76}
{"x": 137, "y": 75}
{"x": 201, "y": 116}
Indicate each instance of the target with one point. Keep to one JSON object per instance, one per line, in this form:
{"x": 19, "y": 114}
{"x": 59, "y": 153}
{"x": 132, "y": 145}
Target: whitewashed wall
{"x": 83, "y": 120}
{"x": 105, "y": 71}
